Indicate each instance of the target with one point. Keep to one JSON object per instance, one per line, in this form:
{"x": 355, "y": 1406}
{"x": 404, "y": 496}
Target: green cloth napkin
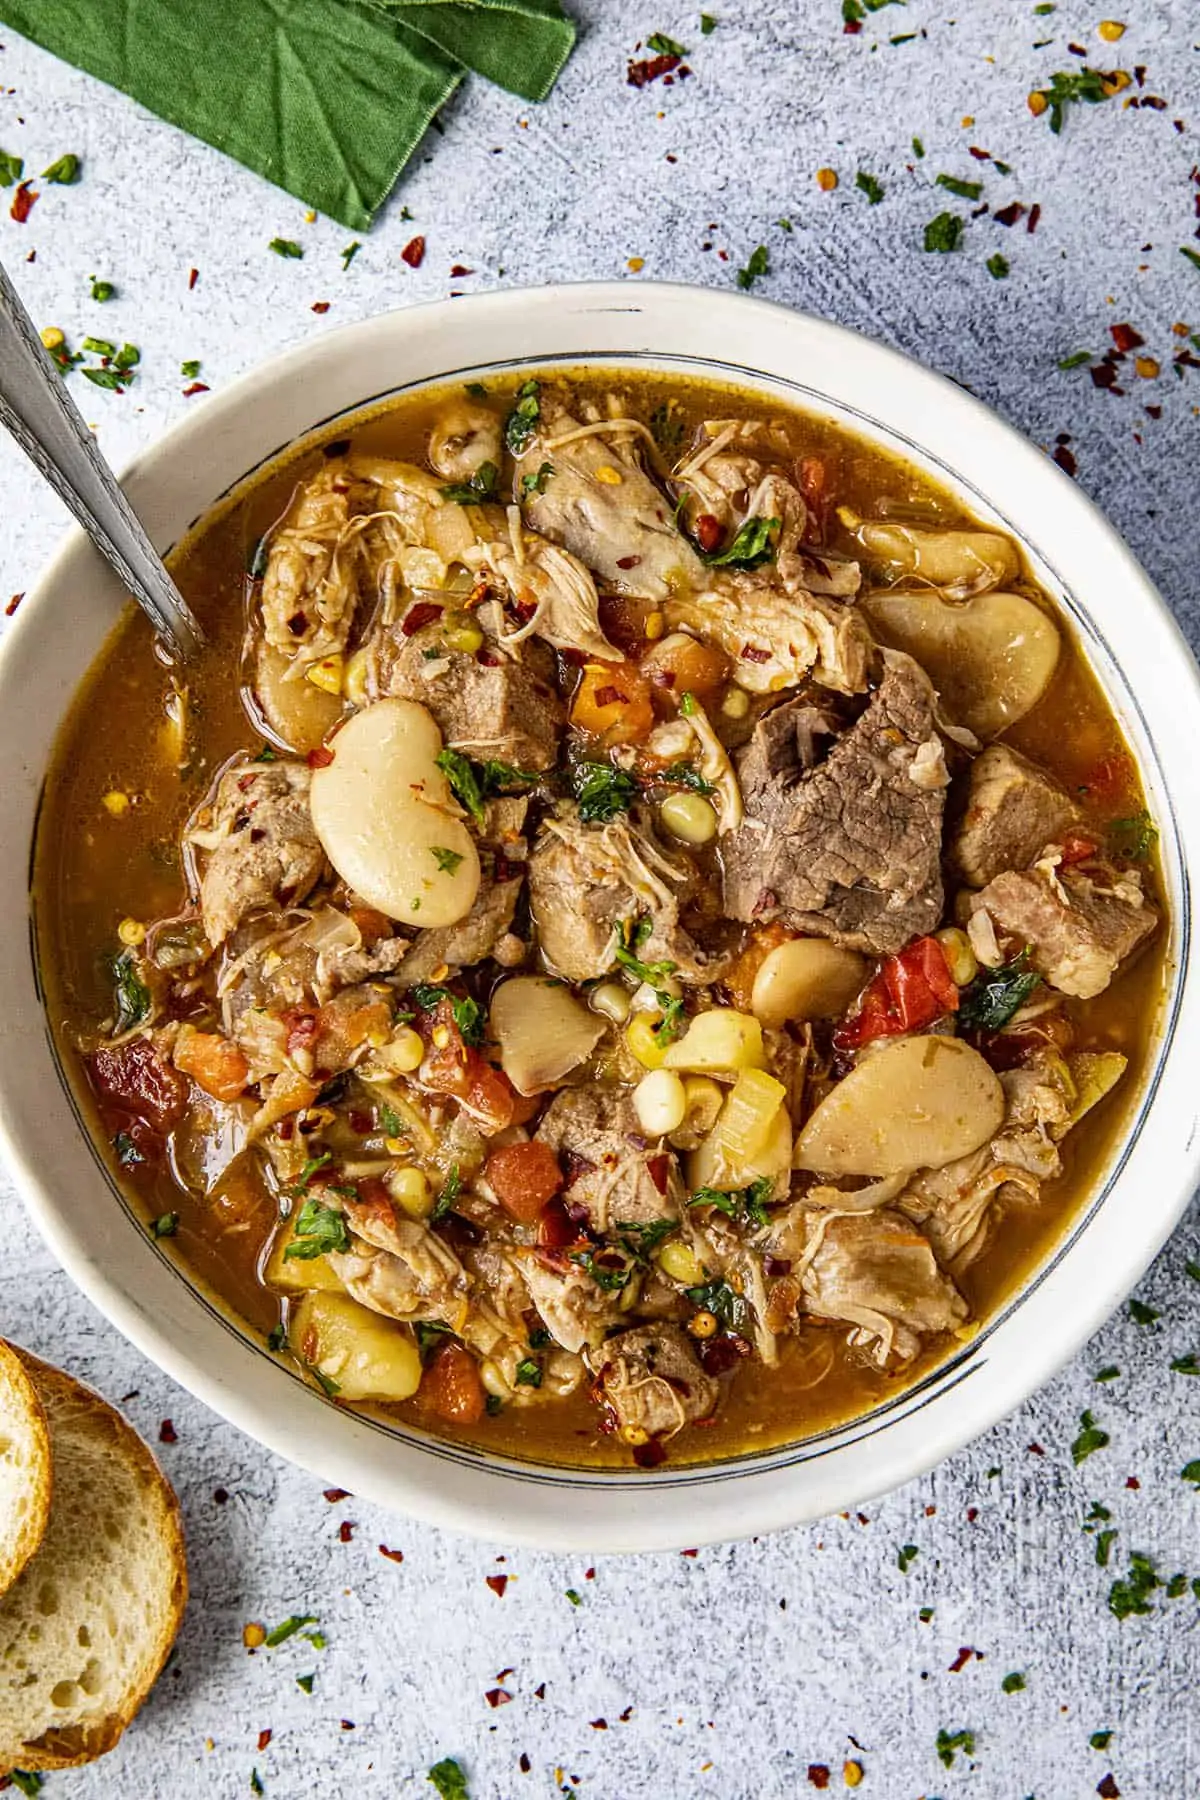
{"x": 326, "y": 98}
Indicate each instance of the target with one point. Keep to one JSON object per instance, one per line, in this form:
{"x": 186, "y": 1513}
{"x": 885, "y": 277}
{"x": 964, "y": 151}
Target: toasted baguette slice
{"x": 87, "y": 1626}
{"x": 24, "y": 1467}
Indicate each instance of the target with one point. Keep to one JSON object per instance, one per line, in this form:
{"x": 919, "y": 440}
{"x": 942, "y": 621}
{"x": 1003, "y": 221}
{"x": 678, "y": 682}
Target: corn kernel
{"x": 655, "y": 625}
{"x": 1116, "y": 81}
{"x": 827, "y": 180}
{"x": 1147, "y": 367}
{"x": 406, "y": 1051}
{"x": 643, "y": 1045}
{"x": 441, "y": 1036}
{"x": 637, "y": 1435}
{"x": 411, "y": 1191}
{"x": 1037, "y": 103}
{"x": 310, "y": 218}
{"x": 636, "y": 264}
{"x": 680, "y": 1262}
{"x": 461, "y": 632}
{"x": 354, "y": 680}
{"x": 1110, "y": 30}
{"x": 608, "y": 475}
{"x": 702, "y": 1325}
{"x": 396, "y": 1146}
{"x": 959, "y": 953}
{"x": 441, "y": 972}
{"x": 52, "y": 337}
{"x": 968, "y": 119}
{"x": 254, "y": 1635}
{"x": 852, "y": 1774}
{"x": 115, "y": 803}
{"x": 736, "y": 703}
{"x": 326, "y": 674}
{"x": 131, "y": 932}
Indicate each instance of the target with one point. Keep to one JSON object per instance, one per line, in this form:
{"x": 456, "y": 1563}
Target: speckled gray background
{"x": 729, "y": 1673}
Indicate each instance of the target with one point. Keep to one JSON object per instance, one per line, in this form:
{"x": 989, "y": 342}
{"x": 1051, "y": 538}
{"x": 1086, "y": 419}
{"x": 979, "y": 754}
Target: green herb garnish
{"x": 349, "y": 253}
{"x": 996, "y": 995}
{"x": 1099, "y": 1740}
{"x": 128, "y": 1154}
{"x": 575, "y": 1598}
{"x": 450, "y": 1189}
{"x": 666, "y": 427}
{"x": 536, "y": 484}
{"x": 997, "y": 266}
{"x": 749, "y": 1203}
{"x": 1191, "y": 1472}
{"x": 751, "y": 547}
{"x": 522, "y": 421}
{"x": 1091, "y": 1438}
{"x": 1071, "y": 86}
{"x": 305, "y": 1682}
{"x": 950, "y": 1741}
{"x": 476, "y": 390}
{"x": 718, "y": 1298}
{"x": 11, "y": 168}
{"x": 682, "y": 774}
{"x": 759, "y": 264}
{"x": 1108, "y": 1373}
{"x": 64, "y": 172}
{"x": 1013, "y": 1684}
{"x": 1132, "y": 839}
{"x": 641, "y": 1239}
{"x": 966, "y": 190}
{"x": 166, "y": 1225}
{"x": 1141, "y": 1314}
{"x": 467, "y": 1013}
{"x": 662, "y": 45}
{"x": 318, "y": 1230}
{"x": 529, "y": 1372}
{"x": 473, "y": 783}
{"x": 287, "y": 247}
{"x": 602, "y": 791}
{"x": 131, "y": 994}
{"x": 101, "y": 290}
{"x": 707, "y": 24}
{"x": 870, "y": 186}
{"x": 1130, "y": 1594}
{"x": 609, "y": 1273}
{"x": 906, "y": 1556}
{"x": 290, "y": 1626}
{"x": 480, "y": 487}
{"x": 944, "y": 233}
{"x": 449, "y": 1780}
{"x": 1186, "y": 1365}
{"x": 447, "y": 860}
{"x": 277, "y": 1338}
{"x": 26, "y": 1781}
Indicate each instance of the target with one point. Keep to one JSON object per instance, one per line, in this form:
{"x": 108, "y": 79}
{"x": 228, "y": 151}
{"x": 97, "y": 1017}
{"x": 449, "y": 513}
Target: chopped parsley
{"x": 1130, "y": 1594}
{"x": 707, "y": 24}
{"x": 1132, "y": 839}
{"x": 256, "y": 1786}
{"x": 1186, "y": 1365}
{"x": 189, "y": 370}
{"x": 1091, "y": 1438}
{"x": 752, "y": 546}
{"x": 995, "y": 995}
{"x": 1099, "y": 1740}
{"x": 290, "y": 1626}
{"x": 300, "y": 1185}
{"x": 748, "y": 1203}
{"x": 305, "y": 1682}
{"x": 662, "y": 45}
{"x": 1192, "y": 1269}
{"x": 449, "y": 1780}
{"x": 467, "y": 1013}
{"x": 480, "y": 487}
{"x": 11, "y": 168}
{"x": 476, "y": 390}
{"x": 1076, "y": 360}
{"x": 318, "y": 1230}
{"x": 906, "y": 1556}
{"x": 918, "y": 148}
{"x": 286, "y": 247}
{"x": 1193, "y": 256}
{"x": 607, "y": 1269}
{"x": 447, "y": 860}
{"x": 997, "y": 266}
{"x": 26, "y": 1781}
{"x": 966, "y": 190}
{"x": 759, "y": 263}
{"x": 130, "y": 992}
{"x": 925, "y": 1614}
{"x": 682, "y": 774}
{"x": 1191, "y": 1472}
{"x": 1141, "y": 1314}
{"x": 1108, "y": 1373}
{"x": 630, "y": 938}
{"x": 948, "y": 1742}
{"x": 349, "y": 254}
{"x": 101, "y": 290}
{"x": 128, "y": 1154}
{"x": 64, "y": 172}
{"x": 602, "y": 790}
{"x": 1013, "y": 1684}
{"x": 277, "y": 1338}
{"x": 642, "y": 1238}
{"x": 166, "y": 1225}
{"x": 575, "y": 1598}
{"x": 529, "y": 1372}
{"x": 536, "y": 484}
{"x": 1104, "y": 1543}
{"x": 450, "y": 1189}
{"x": 718, "y": 1298}
{"x": 944, "y": 233}
{"x": 522, "y": 421}
{"x": 870, "y": 186}
{"x": 473, "y": 783}
{"x": 1074, "y": 85}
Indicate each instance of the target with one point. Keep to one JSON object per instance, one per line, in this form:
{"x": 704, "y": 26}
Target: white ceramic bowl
{"x": 1141, "y": 659}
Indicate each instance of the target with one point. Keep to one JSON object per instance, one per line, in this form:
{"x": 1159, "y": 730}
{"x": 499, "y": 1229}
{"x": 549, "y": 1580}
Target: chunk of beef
{"x": 263, "y": 848}
{"x": 1077, "y": 930}
{"x": 651, "y": 1379}
{"x": 613, "y": 1173}
{"x": 877, "y": 1272}
{"x": 492, "y": 704}
{"x": 461, "y": 946}
{"x": 1013, "y": 810}
{"x": 575, "y": 1311}
{"x": 849, "y": 848}
{"x": 586, "y": 880}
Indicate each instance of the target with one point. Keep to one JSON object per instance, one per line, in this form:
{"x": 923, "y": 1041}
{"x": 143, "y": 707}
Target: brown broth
{"x": 94, "y": 869}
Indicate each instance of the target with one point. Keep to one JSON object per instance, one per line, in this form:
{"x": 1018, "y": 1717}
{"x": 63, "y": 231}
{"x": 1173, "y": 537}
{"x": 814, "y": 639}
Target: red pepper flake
{"x": 413, "y": 252}
{"x": 1008, "y": 215}
{"x": 609, "y": 695}
{"x": 978, "y": 154}
{"x": 589, "y": 1574}
{"x": 628, "y": 562}
{"x": 818, "y": 1774}
{"x": 1065, "y": 459}
{"x": 497, "y": 1696}
{"x": 1131, "y": 1481}
{"x": 220, "y": 1495}
{"x": 497, "y": 1583}
{"x": 193, "y": 278}
{"x": 852, "y": 27}
{"x": 196, "y": 387}
{"x": 962, "y": 1659}
{"x": 1035, "y": 1449}
{"x": 1035, "y": 213}
{"x": 708, "y": 531}
{"x": 539, "y": 1692}
{"x": 346, "y": 1531}
{"x": 167, "y": 1433}
{"x": 628, "y": 1713}
{"x": 523, "y": 1763}
{"x": 659, "y": 1171}
{"x": 23, "y": 201}
{"x": 423, "y": 613}
{"x": 752, "y": 653}
{"x": 1108, "y": 1789}
{"x": 347, "y": 1724}
{"x": 459, "y": 270}
{"x": 333, "y": 1495}
{"x": 13, "y": 604}
{"x": 320, "y": 306}
{"x": 1104, "y": 375}
{"x": 320, "y": 758}
{"x": 972, "y": 1514}
{"x": 503, "y": 1674}
{"x": 598, "y": 1724}
{"x": 689, "y": 1553}
{"x": 930, "y": 1512}
{"x": 396, "y": 1556}
{"x": 264, "y": 1738}
{"x": 640, "y": 74}
{"x": 1126, "y": 338}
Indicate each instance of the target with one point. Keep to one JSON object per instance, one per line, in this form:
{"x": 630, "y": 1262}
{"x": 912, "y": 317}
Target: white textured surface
{"x": 743, "y": 1665}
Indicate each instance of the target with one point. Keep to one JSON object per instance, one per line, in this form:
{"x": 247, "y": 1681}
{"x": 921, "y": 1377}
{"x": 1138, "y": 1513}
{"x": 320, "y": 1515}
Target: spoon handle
{"x": 42, "y": 417}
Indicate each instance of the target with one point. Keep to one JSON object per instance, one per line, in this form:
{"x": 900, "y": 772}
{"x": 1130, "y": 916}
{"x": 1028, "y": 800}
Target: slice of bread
{"x": 87, "y": 1626}
{"x": 25, "y": 1479}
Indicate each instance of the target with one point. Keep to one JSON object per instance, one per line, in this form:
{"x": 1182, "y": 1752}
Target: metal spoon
{"x": 40, "y": 414}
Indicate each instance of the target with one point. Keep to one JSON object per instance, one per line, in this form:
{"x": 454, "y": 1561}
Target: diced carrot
{"x": 682, "y": 665}
{"x": 372, "y": 925}
{"x": 739, "y": 977}
{"x": 451, "y": 1387}
{"x": 213, "y": 1063}
{"x": 523, "y": 1178}
{"x": 613, "y": 703}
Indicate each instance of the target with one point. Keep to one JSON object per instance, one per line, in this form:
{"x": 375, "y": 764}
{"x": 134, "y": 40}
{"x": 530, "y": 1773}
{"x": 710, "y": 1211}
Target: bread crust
{"x": 20, "y": 1405}
{"x": 72, "y": 1409}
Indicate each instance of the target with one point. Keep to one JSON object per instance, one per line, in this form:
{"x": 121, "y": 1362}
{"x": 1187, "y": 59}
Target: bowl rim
{"x": 630, "y": 1511}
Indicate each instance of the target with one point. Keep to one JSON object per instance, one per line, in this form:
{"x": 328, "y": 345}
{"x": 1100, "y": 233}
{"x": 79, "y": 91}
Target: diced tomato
{"x": 1077, "y": 846}
{"x": 523, "y": 1178}
{"x": 910, "y": 991}
{"x": 556, "y": 1227}
{"x": 612, "y": 702}
{"x": 490, "y": 1096}
{"x": 739, "y": 977}
{"x": 213, "y": 1063}
{"x": 137, "y": 1078}
{"x": 451, "y": 1386}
